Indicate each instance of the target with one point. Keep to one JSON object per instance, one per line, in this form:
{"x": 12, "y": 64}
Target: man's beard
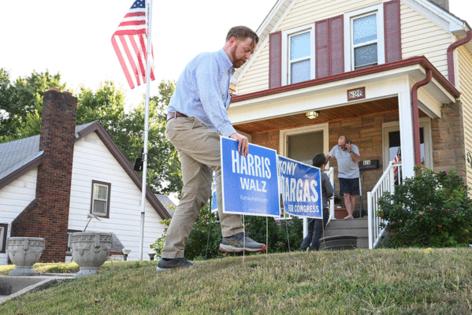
{"x": 236, "y": 62}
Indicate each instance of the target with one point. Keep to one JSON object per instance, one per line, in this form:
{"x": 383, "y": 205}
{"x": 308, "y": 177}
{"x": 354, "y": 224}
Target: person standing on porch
{"x": 347, "y": 155}
{"x": 196, "y": 117}
{"x": 316, "y": 226}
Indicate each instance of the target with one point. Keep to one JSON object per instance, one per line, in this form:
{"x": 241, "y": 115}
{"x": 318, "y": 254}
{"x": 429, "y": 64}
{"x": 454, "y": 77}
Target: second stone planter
{"x": 90, "y": 250}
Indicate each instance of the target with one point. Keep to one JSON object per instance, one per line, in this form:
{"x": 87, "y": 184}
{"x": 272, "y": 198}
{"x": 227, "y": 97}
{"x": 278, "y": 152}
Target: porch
{"x": 388, "y": 109}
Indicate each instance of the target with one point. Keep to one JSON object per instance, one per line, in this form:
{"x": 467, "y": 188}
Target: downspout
{"x": 415, "y": 113}
{"x": 450, "y": 56}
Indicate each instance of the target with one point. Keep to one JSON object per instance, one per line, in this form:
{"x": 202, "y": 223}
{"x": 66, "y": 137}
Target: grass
{"x": 45, "y": 268}
{"x": 385, "y": 281}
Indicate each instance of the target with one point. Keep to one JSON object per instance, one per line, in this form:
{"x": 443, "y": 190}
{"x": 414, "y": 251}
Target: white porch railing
{"x": 330, "y": 174}
{"x": 391, "y": 177}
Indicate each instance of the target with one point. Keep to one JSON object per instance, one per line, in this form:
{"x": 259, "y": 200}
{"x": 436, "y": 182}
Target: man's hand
{"x": 349, "y": 147}
{"x": 243, "y": 143}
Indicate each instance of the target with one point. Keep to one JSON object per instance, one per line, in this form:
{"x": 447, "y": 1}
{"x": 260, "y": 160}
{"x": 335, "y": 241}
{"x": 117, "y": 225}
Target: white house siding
{"x": 93, "y": 161}
{"x": 14, "y": 198}
{"x": 421, "y": 36}
{"x": 465, "y": 87}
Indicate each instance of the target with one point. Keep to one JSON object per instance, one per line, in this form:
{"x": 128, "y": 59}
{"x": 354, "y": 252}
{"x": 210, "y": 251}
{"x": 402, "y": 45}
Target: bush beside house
{"x": 431, "y": 209}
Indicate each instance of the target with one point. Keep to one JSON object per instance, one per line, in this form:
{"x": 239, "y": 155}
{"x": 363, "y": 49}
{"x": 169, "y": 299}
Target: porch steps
{"x": 356, "y": 228}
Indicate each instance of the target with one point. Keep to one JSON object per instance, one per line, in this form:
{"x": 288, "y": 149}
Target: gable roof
{"x": 19, "y": 156}
{"x": 280, "y": 8}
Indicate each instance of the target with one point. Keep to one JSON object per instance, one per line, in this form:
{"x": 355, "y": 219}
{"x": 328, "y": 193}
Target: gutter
{"x": 450, "y": 56}
{"x": 415, "y": 113}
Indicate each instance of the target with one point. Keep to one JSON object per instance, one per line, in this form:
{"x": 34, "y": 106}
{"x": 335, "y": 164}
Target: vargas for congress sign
{"x": 301, "y": 188}
{"x": 249, "y": 183}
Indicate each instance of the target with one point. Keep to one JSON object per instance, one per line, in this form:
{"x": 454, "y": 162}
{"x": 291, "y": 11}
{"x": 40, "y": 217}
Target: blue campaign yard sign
{"x": 250, "y": 183}
{"x": 301, "y": 188}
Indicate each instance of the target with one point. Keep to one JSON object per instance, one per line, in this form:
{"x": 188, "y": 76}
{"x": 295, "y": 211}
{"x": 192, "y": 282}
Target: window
{"x": 300, "y": 57}
{"x": 364, "y": 40}
{"x": 3, "y": 237}
{"x": 100, "y": 204}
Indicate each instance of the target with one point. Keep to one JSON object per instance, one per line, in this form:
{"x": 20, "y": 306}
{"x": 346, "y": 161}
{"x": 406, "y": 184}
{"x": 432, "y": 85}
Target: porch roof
{"x": 413, "y": 61}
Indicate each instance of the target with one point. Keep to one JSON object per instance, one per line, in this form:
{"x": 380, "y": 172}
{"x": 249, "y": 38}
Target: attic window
{"x": 100, "y": 202}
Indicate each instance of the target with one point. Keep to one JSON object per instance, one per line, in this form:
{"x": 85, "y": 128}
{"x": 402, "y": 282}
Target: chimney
{"x": 48, "y": 215}
{"x": 442, "y": 3}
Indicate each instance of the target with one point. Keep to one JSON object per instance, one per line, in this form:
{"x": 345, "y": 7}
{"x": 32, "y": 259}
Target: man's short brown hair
{"x": 242, "y": 32}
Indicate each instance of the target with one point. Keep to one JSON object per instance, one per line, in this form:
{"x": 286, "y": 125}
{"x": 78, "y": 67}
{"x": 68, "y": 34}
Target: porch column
{"x": 406, "y": 132}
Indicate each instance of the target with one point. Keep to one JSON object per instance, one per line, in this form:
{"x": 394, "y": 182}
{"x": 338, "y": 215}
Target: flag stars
{"x": 138, "y": 4}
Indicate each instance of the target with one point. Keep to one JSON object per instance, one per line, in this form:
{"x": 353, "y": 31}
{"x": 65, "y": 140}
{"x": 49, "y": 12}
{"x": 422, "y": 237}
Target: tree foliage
{"x": 21, "y": 104}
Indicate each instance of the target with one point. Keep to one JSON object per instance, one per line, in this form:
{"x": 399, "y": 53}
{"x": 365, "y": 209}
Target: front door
{"x": 392, "y": 147}
{"x": 302, "y": 144}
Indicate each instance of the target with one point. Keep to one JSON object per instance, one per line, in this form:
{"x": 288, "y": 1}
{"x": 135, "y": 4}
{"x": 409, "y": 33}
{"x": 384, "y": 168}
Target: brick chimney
{"x": 48, "y": 215}
{"x": 442, "y": 3}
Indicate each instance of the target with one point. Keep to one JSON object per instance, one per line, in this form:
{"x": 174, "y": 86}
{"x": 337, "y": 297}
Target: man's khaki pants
{"x": 199, "y": 154}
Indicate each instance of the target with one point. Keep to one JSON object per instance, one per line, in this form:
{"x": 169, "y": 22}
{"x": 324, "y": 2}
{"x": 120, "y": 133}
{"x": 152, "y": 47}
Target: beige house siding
{"x": 256, "y": 77}
{"x": 465, "y": 87}
{"x": 305, "y": 12}
{"x": 420, "y": 36}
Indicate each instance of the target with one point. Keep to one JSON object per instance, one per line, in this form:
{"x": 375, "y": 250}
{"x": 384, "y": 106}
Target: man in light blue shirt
{"x": 347, "y": 156}
{"x": 196, "y": 117}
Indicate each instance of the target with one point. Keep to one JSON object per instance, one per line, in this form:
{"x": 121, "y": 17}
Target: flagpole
{"x": 146, "y": 122}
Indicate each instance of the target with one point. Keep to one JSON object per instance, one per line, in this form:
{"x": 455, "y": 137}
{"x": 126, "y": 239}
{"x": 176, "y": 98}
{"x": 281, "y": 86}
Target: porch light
{"x": 312, "y": 114}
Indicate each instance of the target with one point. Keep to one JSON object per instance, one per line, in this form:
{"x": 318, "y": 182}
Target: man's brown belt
{"x": 171, "y": 115}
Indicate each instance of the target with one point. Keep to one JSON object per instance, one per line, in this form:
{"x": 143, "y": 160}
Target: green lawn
{"x": 411, "y": 281}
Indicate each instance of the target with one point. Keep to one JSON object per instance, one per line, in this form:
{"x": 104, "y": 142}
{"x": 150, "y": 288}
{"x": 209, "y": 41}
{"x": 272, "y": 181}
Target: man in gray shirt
{"x": 347, "y": 155}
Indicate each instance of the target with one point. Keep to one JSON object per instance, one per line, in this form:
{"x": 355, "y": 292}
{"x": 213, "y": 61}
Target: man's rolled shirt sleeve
{"x": 212, "y": 102}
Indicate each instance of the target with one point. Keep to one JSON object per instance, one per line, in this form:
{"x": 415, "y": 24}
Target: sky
{"x": 73, "y": 37}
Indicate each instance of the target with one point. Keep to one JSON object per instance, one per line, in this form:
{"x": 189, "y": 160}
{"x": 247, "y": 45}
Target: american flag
{"x": 129, "y": 42}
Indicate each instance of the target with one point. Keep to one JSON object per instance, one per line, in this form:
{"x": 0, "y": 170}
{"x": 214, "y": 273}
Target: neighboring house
{"x": 384, "y": 73}
{"x": 50, "y": 183}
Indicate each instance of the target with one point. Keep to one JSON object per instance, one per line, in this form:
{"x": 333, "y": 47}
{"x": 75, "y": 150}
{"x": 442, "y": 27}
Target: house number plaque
{"x": 356, "y": 94}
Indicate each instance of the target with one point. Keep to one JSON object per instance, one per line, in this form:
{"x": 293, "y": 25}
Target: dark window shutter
{"x": 275, "y": 60}
{"x": 329, "y": 46}
{"x": 322, "y": 48}
{"x": 392, "y": 31}
{"x": 336, "y": 44}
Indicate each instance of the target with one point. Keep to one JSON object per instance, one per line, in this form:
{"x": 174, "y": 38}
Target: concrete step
{"x": 338, "y": 242}
{"x": 362, "y": 242}
{"x": 348, "y": 224}
{"x": 344, "y": 232}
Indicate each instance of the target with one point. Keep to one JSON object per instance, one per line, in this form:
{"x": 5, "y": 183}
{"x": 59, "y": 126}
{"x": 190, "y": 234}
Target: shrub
{"x": 205, "y": 237}
{"x": 431, "y": 209}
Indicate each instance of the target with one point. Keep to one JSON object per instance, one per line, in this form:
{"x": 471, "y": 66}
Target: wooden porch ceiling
{"x": 300, "y": 120}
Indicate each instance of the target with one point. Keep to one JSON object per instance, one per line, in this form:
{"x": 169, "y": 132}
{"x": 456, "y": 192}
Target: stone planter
{"x": 24, "y": 252}
{"x": 90, "y": 250}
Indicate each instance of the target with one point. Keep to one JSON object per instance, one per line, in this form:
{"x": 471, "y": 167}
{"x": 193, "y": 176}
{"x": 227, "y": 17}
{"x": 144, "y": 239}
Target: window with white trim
{"x": 299, "y": 57}
{"x": 100, "y": 203}
{"x": 364, "y": 40}
{"x": 3, "y": 237}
